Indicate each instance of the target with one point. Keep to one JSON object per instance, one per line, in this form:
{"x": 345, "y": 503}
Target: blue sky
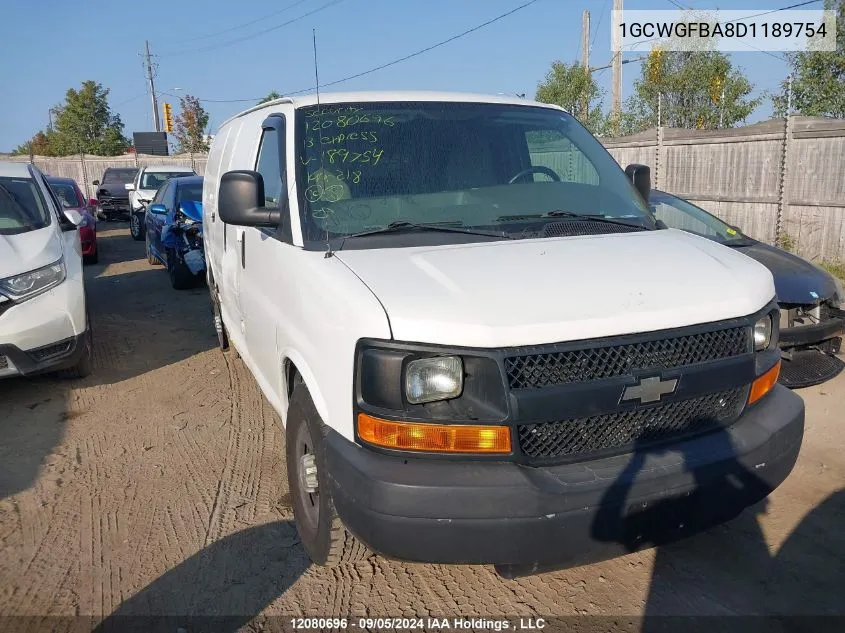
{"x": 53, "y": 45}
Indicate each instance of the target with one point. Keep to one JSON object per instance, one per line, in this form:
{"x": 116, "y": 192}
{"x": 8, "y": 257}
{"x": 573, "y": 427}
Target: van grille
{"x": 625, "y": 429}
{"x": 546, "y": 369}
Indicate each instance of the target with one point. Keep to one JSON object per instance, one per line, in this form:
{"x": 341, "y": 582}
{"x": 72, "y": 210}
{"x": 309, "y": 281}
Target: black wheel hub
{"x": 307, "y": 488}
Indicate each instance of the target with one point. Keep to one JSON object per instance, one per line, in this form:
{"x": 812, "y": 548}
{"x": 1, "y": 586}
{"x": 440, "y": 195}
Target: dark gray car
{"x": 112, "y": 196}
{"x": 812, "y": 320}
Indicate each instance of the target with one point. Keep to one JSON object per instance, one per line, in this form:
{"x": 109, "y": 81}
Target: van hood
{"x": 527, "y": 292}
{"x": 23, "y": 252}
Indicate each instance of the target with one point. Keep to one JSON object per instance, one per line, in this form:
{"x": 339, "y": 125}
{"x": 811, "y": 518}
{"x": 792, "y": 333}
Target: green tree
{"x": 572, "y": 86}
{"x": 699, "y": 89}
{"x": 818, "y": 77}
{"x": 86, "y": 124}
{"x": 270, "y": 97}
{"x": 39, "y": 145}
{"x": 190, "y": 125}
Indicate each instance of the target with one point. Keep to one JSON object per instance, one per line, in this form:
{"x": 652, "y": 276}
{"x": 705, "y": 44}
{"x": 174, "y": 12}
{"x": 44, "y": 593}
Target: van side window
{"x": 550, "y": 148}
{"x": 268, "y": 165}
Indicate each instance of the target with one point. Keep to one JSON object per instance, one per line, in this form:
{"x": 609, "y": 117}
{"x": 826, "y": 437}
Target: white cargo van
{"x": 483, "y": 346}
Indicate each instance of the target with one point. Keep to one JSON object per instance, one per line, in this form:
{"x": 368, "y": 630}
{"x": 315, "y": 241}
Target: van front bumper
{"x": 482, "y": 512}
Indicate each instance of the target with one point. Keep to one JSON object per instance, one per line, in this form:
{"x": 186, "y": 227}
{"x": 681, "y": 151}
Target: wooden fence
{"x": 85, "y": 168}
{"x": 777, "y": 180}
{"x": 780, "y": 180}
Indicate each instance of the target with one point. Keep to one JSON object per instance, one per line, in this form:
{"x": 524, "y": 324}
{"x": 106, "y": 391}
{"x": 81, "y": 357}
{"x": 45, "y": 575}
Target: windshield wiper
{"x": 402, "y": 225}
{"x": 557, "y": 213}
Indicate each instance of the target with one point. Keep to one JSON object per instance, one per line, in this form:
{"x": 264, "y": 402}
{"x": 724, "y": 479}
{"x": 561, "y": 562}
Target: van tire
{"x": 321, "y": 531}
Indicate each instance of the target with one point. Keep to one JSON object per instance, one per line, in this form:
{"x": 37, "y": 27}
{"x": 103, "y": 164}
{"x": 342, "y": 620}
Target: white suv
{"x": 482, "y": 344}
{"x": 44, "y": 324}
{"x": 143, "y": 189}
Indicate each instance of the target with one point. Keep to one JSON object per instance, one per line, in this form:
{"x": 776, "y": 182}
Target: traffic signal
{"x": 716, "y": 87}
{"x": 168, "y": 118}
{"x": 654, "y": 65}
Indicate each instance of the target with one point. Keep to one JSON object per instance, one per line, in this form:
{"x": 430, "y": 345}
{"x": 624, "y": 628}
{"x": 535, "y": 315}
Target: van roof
{"x": 391, "y": 95}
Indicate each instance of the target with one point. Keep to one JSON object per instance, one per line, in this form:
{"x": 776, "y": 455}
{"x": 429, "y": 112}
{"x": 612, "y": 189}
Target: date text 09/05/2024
{"x": 421, "y": 624}
{"x": 730, "y": 29}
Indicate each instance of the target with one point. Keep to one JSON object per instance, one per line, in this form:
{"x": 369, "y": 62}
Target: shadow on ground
{"x": 140, "y": 324}
{"x": 725, "y": 578}
{"x": 221, "y": 588}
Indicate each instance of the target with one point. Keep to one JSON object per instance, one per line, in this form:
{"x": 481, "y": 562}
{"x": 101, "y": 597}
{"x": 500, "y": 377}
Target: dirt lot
{"x": 156, "y": 486}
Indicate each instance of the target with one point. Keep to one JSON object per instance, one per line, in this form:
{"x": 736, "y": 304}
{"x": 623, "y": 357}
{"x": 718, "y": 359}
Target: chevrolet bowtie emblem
{"x": 650, "y": 389}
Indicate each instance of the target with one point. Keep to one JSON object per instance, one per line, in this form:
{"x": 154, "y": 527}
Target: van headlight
{"x": 432, "y": 379}
{"x": 27, "y": 285}
{"x": 762, "y": 333}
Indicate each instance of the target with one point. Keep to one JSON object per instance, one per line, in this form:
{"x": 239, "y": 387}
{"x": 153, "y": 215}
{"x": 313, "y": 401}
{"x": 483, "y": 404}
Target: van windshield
{"x": 365, "y": 166}
{"x": 22, "y": 208}
{"x": 119, "y": 176}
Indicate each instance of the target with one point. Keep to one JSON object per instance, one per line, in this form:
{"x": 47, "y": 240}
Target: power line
{"x": 793, "y": 6}
{"x": 601, "y": 15}
{"x": 748, "y": 17}
{"x": 388, "y": 64}
{"x": 421, "y": 51}
{"x": 212, "y": 47}
{"x": 250, "y": 23}
{"x": 138, "y": 96}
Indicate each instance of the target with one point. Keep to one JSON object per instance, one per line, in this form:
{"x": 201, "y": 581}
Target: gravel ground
{"x": 156, "y": 486}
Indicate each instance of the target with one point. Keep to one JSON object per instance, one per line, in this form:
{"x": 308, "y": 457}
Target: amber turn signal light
{"x": 764, "y": 384}
{"x": 434, "y": 438}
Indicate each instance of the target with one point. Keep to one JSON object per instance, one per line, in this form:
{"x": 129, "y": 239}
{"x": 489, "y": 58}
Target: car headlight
{"x": 762, "y": 333}
{"x": 27, "y": 285}
{"x": 432, "y": 379}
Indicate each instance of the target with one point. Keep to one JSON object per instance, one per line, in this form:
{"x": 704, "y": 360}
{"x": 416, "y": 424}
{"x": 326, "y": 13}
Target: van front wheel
{"x": 321, "y": 531}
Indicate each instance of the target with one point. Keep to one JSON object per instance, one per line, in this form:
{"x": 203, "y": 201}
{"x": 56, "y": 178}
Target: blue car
{"x": 173, "y": 223}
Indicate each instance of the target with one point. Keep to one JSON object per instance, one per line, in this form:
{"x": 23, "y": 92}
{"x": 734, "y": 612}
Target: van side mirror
{"x": 640, "y": 177}
{"x": 129, "y": 186}
{"x": 241, "y": 200}
{"x": 95, "y": 182}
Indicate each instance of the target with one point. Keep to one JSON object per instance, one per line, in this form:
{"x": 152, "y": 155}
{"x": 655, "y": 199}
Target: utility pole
{"x": 659, "y": 110}
{"x": 722, "y": 108}
{"x": 149, "y": 67}
{"x": 616, "y": 81}
{"x": 789, "y": 95}
{"x": 585, "y": 60}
